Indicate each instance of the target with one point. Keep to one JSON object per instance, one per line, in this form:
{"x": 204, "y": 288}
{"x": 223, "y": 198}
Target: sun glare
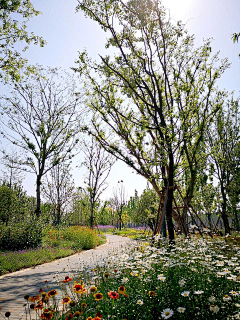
{"x": 178, "y": 9}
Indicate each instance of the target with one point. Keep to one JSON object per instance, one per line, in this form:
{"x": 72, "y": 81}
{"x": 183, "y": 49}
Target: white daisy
{"x": 211, "y": 299}
{"x": 181, "y": 309}
{"x": 226, "y": 298}
{"x": 167, "y": 313}
{"x": 198, "y": 292}
{"x": 140, "y": 302}
{"x": 185, "y": 293}
{"x": 181, "y": 282}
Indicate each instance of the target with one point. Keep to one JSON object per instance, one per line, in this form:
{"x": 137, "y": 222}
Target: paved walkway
{"x": 15, "y": 285}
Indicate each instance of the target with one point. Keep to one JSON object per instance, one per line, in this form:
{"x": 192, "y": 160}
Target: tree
{"x": 235, "y": 37}
{"x": 156, "y": 96}
{"x": 99, "y": 165}
{"x": 81, "y": 212}
{"x": 58, "y": 189}
{"x": 42, "y": 118}
{"x": 12, "y": 31}
{"x": 224, "y": 155}
{"x": 119, "y": 201}
{"x": 13, "y": 173}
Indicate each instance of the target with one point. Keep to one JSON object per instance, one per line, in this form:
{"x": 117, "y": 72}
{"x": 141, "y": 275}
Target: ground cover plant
{"x": 56, "y": 243}
{"x": 195, "y": 279}
{"x": 134, "y": 233}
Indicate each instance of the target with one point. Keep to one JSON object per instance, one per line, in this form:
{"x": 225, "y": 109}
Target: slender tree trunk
{"x": 170, "y": 201}
{"x": 224, "y": 211}
{"x": 188, "y": 198}
{"x": 91, "y": 208}
{"x": 38, "y": 208}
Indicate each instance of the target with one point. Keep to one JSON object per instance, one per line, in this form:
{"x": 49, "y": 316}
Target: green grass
{"x": 56, "y": 244}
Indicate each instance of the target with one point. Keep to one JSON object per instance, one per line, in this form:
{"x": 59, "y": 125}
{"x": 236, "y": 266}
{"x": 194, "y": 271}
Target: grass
{"x": 197, "y": 279}
{"x": 56, "y": 244}
{"x": 133, "y": 233}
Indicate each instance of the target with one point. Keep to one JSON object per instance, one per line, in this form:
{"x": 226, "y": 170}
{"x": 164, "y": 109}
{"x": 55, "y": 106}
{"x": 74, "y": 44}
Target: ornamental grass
{"x": 195, "y": 279}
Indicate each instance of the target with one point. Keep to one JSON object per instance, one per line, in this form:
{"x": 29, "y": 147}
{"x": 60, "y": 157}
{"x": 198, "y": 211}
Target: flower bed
{"x": 196, "y": 279}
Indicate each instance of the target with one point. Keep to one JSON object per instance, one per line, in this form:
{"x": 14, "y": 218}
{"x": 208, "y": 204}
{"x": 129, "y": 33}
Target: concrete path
{"x": 15, "y": 285}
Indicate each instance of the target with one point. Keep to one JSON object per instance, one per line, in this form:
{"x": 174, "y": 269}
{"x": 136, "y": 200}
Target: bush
{"x": 18, "y": 236}
{"x": 78, "y": 237}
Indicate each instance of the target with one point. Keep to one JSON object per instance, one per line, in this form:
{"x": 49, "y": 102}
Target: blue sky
{"x": 68, "y": 32}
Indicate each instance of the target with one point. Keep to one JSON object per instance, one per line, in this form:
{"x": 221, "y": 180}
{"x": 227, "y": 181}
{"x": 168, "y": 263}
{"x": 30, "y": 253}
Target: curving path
{"x": 15, "y": 285}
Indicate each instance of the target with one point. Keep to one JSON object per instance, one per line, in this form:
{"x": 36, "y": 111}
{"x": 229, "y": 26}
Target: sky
{"x": 68, "y": 33}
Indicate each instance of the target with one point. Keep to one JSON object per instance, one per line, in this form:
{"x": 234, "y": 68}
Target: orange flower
{"x": 84, "y": 305}
{"x": 66, "y": 300}
{"x": 34, "y": 298}
{"x": 98, "y": 296}
{"x": 84, "y": 290}
{"x": 113, "y": 295}
{"x": 67, "y": 279}
{"x": 121, "y": 290}
{"x": 152, "y": 293}
{"x": 93, "y": 289}
{"x": 47, "y": 314}
{"x": 39, "y": 306}
{"x": 89, "y": 318}
{"x": 96, "y": 318}
{"x": 78, "y": 288}
{"x": 126, "y": 295}
{"x": 52, "y": 293}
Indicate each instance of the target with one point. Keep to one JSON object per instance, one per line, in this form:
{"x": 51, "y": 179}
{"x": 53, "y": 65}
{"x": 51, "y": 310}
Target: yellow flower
{"x": 121, "y": 290}
{"x": 152, "y": 293}
{"x": 98, "y": 296}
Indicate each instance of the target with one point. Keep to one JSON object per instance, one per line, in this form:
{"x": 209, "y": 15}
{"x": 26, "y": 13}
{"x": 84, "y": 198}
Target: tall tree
{"x": 42, "y": 117}
{"x": 155, "y": 95}
{"x": 99, "y": 164}
{"x": 14, "y": 15}
{"x": 58, "y": 189}
{"x": 224, "y": 144}
{"x": 119, "y": 201}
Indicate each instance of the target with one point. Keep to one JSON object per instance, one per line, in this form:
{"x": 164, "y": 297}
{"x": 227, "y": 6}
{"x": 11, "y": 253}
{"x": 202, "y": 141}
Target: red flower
{"x": 47, "y": 314}
{"x": 78, "y": 288}
{"x": 40, "y": 290}
{"x": 67, "y": 279}
{"x": 99, "y": 315}
{"x": 113, "y": 295}
{"x": 69, "y": 316}
{"x": 52, "y": 293}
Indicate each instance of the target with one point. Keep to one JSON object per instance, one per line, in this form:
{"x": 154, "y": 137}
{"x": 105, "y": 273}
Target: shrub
{"x": 76, "y": 236}
{"x": 22, "y": 235}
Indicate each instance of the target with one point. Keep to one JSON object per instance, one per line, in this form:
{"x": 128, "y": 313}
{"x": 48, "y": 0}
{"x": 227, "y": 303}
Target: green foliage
{"x": 76, "y": 237}
{"x": 56, "y": 243}
{"x": 143, "y": 210}
{"x": 15, "y": 205}
{"x": 20, "y": 235}
{"x": 14, "y": 16}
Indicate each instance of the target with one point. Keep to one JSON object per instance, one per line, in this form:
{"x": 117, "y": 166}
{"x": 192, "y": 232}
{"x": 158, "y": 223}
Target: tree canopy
{"x": 154, "y": 99}
{"x": 14, "y": 15}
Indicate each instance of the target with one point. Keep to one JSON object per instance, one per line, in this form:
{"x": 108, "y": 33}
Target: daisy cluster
{"x": 195, "y": 279}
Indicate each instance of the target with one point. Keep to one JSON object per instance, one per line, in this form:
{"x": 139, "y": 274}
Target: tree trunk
{"x": 91, "y": 218}
{"x": 38, "y": 208}
{"x": 170, "y": 201}
{"x": 224, "y": 211}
